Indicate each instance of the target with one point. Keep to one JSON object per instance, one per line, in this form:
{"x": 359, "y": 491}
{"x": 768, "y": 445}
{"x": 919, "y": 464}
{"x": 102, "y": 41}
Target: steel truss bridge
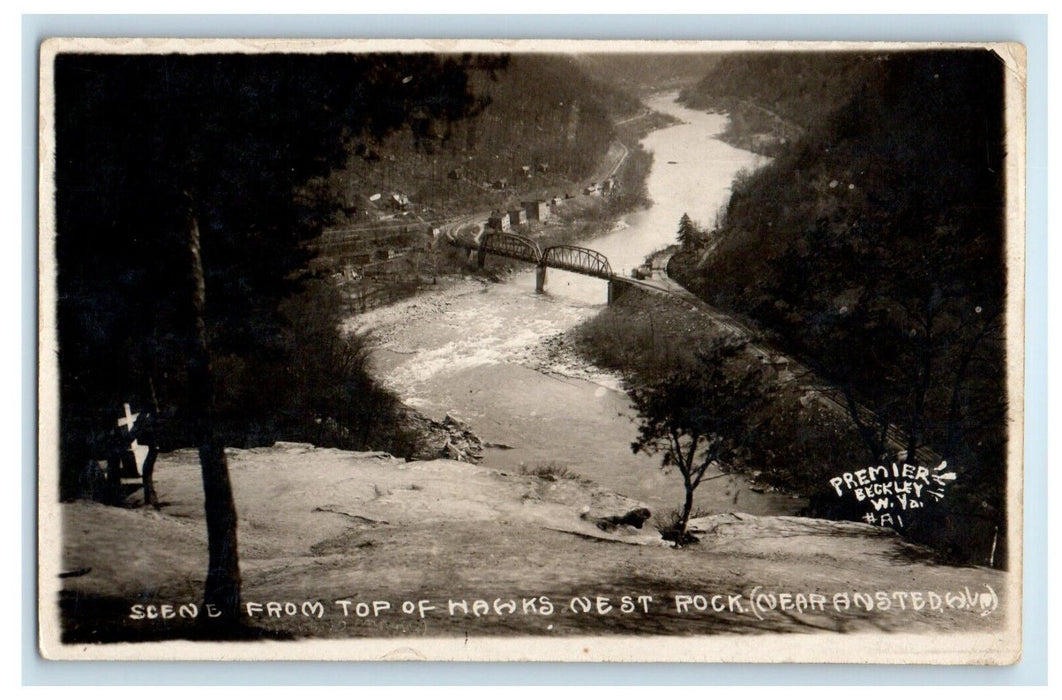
{"x": 572, "y": 258}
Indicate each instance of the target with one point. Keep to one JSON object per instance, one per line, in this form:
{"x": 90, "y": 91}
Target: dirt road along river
{"x": 477, "y": 351}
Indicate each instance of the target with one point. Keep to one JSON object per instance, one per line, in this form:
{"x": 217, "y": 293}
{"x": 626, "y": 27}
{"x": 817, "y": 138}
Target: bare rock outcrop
{"x": 451, "y": 438}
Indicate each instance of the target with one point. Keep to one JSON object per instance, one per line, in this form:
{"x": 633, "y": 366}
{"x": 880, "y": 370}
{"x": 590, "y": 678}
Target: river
{"x": 474, "y": 350}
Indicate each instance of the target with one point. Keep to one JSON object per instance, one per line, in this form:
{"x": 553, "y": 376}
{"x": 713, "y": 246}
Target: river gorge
{"x": 476, "y": 351}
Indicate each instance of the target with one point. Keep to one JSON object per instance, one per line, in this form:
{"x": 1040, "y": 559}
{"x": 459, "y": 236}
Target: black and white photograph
{"x": 531, "y": 350}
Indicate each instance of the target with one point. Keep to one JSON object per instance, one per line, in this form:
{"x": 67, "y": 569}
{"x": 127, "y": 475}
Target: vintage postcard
{"x": 531, "y": 350}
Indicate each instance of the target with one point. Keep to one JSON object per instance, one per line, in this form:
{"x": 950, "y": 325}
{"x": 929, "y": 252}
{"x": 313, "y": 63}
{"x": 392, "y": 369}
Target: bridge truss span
{"x": 577, "y": 259}
{"x": 510, "y": 245}
{"x": 583, "y": 261}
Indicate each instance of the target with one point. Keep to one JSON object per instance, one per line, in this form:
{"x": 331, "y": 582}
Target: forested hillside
{"x": 802, "y": 87}
{"x": 254, "y": 154}
{"x": 775, "y": 98}
{"x": 873, "y": 245}
{"x": 643, "y": 73}
{"x": 532, "y": 111}
{"x": 542, "y": 109}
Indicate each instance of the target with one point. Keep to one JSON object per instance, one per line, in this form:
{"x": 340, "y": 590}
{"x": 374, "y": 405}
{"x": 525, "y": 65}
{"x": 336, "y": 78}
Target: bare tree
{"x": 222, "y": 590}
{"x": 700, "y": 416}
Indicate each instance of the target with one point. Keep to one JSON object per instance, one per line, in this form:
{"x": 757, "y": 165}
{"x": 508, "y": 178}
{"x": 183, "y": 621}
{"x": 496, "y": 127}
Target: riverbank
{"x": 645, "y": 335}
{"x": 493, "y": 355}
{"x": 750, "y": 126}
{"x": 574, "y": 220}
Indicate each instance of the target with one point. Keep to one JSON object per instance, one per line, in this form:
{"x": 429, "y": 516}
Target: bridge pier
{"x": 616, "y": 288}
{"x": 540, "y": 279}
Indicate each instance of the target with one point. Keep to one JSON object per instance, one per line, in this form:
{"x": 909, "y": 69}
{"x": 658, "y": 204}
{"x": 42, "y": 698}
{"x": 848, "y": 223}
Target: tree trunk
{"x": 221, "y": 597}
{"x": 152, "y": 440}
{"x": 148, "y": 477}
{"x": 687, "y": 508}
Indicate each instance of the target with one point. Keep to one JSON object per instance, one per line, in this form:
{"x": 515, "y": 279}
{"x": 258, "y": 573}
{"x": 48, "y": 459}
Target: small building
{"x": 499, "y": 221}
{"x": 454, "y": 174}
{"x": 556, "y": 201}
{"x": 526, "y": 171}
{"x": 517, "y": 217}
{"x": 543, "y": 167}
{"x": 592, "y": 188}
{"x": 642, "y": 272}
{"x": 399, "y": 200}
{"x": 385, "y": 254}
{"x": 537, "y": 210}
{"x": 608, "y": 186}
{"x": 501, "y": 183}
{"x": 780, "y": 365}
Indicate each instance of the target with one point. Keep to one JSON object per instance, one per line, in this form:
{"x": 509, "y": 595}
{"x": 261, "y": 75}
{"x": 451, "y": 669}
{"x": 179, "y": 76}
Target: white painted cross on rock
{"x": 140, "y": 452}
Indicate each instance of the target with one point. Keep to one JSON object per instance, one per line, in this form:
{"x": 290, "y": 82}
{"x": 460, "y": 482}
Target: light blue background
{"x": 1030, "y": 30}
